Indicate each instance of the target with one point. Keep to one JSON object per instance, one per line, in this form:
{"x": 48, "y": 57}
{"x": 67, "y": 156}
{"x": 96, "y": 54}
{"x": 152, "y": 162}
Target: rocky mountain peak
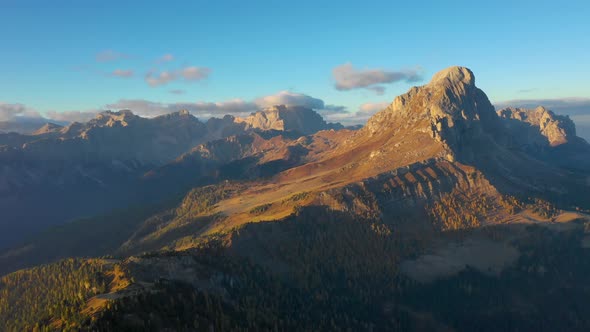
{"x": 286, "y": 118}
{"x": 557, "y": 129}
{"x": 454, "y": 75}
{"x": 450, "y": 108}
{"x": 47, "y": 128}
{"x": 179, "y": 116}
{"x": 452, "y": 113}
{"x": 111, "y": 118}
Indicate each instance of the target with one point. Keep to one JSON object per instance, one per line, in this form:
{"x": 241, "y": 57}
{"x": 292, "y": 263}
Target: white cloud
{"x": 157, "y": 79}
{"x": 332, "y": 109}
{"x": 165, "y": 58}
{"x": 361, "y": 116}
{"x": 290, "y": 99}
{"x": 192, "y": 73}
{"x": 567, "y": 106}
{"x": 372, "y": 108}
{"x": 9, "y": 112}
{"x": 123, "y": 73}
{"x": 13, "y": 112}
{"x": 237, "y": 107}
{"x": 177, "y": 92}
{"x": 199, "y": 109}
{"x": 195, "y": 73}
{"x": 205, "y": 110}
{"x": 140, "y": 107}
{"x": 71, "y": 116}
{"x": 110, "y": 55}
{"x": 347, "y": 77}
{"x": 378, "y": 89}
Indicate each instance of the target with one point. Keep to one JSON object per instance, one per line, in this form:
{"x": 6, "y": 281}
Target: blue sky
{"x": 53, "y": 52}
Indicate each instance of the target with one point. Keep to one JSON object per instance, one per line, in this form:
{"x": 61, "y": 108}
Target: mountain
{"x": 436, "y": 140}
{"x": 122, "y": 138}
{"x": 81, "y": 169}
{"x": 47, "y": 128}
{"x": 439, "y": 214}
{"x": 16, "y": 140}
{"x": 104, "y": 161}
{"x": 556, "y": 129}
{"x": 22, "y": 125}
{"x": 287, "y": 118}
{"x": 547, "y": 136}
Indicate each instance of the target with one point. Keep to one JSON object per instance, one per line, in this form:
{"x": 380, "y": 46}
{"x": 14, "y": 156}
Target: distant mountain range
{"x": 82, "y": 169}
{"x": 23, "y": 125}
{"x": 440, "y": 213}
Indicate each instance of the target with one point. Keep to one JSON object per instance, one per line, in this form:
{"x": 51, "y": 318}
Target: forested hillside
{"x": 334, "y": 273}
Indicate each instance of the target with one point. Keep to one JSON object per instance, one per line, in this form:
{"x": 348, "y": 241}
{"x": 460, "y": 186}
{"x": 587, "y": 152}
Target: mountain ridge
{"x": 438, "y": 197}
{"x": 406, "y": 156}
{"x": 105, "y": 158}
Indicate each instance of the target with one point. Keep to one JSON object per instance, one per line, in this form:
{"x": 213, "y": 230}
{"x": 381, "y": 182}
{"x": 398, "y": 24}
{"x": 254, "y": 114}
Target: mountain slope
{"x": 104, "y": 161}
{"x": 439, "y": 214}
{"x": 246, "y": 156}
{"x": 97, "y": 161}
{"x": 546, "y": 135}
{"x": 435, "y": 139}
{"x": 440, "y": 140}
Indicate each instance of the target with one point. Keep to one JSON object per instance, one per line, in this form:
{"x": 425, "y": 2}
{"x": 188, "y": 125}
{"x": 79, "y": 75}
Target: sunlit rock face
{"x": 557, "y": 129}
{"x": 286, "y": 118}
{"x": 451, "y": 109}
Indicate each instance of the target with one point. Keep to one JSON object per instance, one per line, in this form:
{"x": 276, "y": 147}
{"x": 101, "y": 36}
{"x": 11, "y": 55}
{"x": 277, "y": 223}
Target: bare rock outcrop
{"x": 451, "y": 109}
{"x": 48, "y": 128}
{"x": 287, "y": 118}
{"x": 557, "y": 129}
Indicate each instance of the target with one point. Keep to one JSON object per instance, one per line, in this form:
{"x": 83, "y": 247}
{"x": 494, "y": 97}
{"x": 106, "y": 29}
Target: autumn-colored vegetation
{"x": 458, "y": 210}
{"x": 50, "y": 297}
{"x": 344, "y": 274}
{"x": 316, "y": 270}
